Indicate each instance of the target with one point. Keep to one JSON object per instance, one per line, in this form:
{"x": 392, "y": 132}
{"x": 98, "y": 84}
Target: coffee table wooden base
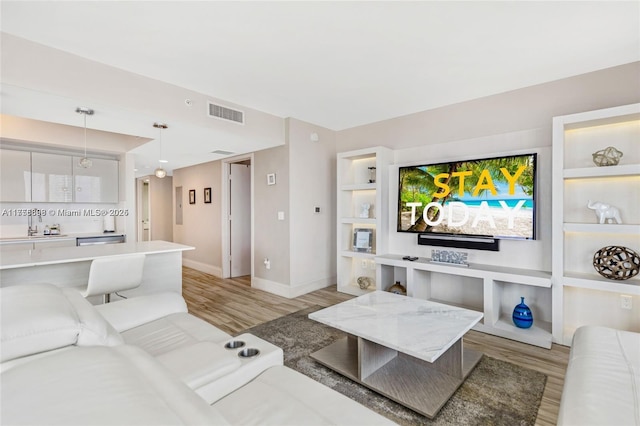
{"x": 419, "y": 385}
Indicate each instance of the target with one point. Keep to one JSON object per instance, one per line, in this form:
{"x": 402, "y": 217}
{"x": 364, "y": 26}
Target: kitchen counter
{"x": 38, "y": 257}
{"x": 69, "y": 266}
{"x": 39, "y": 238}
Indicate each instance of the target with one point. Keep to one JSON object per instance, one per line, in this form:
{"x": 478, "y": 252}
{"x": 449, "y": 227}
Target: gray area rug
{"x": 495, "y": 393}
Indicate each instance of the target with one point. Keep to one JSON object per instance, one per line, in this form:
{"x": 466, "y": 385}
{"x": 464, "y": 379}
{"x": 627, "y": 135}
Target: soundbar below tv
{"x": 459, "y": 241}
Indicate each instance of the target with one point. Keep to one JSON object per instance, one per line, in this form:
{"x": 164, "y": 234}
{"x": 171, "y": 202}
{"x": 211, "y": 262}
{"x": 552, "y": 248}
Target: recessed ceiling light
{"x": 163, "y": 161}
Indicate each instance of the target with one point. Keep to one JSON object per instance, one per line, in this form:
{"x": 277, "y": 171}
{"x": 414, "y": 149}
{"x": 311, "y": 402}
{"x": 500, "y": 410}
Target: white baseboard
{"x": 288, "y": 291}
{"x": 202, "y": 267}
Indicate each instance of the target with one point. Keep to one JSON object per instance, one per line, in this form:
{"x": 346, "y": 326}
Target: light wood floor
{"x": 233, "y": 306}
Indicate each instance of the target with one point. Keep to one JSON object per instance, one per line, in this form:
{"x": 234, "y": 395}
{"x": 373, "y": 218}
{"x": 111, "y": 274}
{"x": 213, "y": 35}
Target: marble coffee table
{"x": 407, "y": 349}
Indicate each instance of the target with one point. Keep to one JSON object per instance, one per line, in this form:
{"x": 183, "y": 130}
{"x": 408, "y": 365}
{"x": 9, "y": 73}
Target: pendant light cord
{"x": 85, "y": 134}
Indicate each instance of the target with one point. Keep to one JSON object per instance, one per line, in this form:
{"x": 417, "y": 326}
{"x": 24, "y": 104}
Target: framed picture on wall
{"x": 192, "y": 196}
{"x": 271, "y": 179}
{"x": 207, "y": 195}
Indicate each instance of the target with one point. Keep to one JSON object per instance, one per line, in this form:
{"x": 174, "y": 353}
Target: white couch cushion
{"x": 602, "y": 383}
{"x": 119, "y": 385}
{"x": 199, "y": 364}
{"x": 281, "y": 396}
{"x": 130, "y": 313}
{"x": 35, "y": 318}
{"x": 94, "y": 329}
{"x": 173, "y": 332}
{"x": 42, "y": 317}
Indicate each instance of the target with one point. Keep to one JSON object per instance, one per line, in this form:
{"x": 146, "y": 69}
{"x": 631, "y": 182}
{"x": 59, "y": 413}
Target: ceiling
{"x": 339, "y": 64}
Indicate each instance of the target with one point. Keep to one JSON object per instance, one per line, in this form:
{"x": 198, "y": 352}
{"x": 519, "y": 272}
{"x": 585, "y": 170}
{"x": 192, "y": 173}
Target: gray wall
{"x": 272, "y": 236}
{"x": 201, "y": 222}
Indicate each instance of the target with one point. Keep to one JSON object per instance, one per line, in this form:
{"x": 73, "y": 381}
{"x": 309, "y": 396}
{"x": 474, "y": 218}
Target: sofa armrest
{"x": 602, "y": 383}
{"x": 130, "y": 313}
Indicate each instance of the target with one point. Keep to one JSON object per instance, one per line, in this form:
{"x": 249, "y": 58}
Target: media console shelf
{"x": 492, "y": 290}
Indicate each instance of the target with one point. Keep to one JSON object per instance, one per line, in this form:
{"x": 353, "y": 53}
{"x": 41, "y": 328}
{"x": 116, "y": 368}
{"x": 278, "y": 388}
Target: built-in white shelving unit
{"x": 354, "y": 190}
{"x": 484, "y": 288}
{"x": 581, "y": 296}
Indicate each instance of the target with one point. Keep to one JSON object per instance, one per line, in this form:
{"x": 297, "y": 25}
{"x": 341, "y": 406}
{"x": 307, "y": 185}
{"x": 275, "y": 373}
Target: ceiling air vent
{"x": 224, "y": 113}
{"x": 222, "y": 152}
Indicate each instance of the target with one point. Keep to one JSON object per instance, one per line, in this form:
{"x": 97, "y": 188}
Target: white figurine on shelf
{"x": 364, "y": 213}
{"x": 605, "y": 212}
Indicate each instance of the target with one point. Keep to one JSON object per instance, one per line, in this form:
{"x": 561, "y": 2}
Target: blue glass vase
{"x": 522, "y": 316}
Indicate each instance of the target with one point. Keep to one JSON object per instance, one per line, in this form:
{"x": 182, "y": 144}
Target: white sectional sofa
{"x": 146, "y": 361}
{"x": 602, "y": 383}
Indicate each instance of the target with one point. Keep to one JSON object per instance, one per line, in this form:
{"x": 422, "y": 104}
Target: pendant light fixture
{"x": 160, "y": 172}
{"x": 84, "y": 161}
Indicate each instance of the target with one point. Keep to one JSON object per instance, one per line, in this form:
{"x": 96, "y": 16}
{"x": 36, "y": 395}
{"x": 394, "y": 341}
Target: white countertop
{"x": 27, "y": 258}
{"x": 420, "y": 328}
{"x": 39, "y": 238}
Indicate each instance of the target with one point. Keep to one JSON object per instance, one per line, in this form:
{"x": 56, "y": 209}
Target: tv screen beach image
{"x": 488, "y": 197}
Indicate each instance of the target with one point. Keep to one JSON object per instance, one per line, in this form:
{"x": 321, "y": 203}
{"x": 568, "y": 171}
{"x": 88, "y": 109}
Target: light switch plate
{"x": 280, "y": 215}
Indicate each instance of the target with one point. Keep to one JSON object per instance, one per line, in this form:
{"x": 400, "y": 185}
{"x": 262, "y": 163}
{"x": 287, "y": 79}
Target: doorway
{"x": 144, "y": 209}
{"x": 238, "y": 227}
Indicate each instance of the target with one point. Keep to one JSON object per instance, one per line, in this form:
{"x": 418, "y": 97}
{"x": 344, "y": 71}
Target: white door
{"x": 240, "y": 217}
{"x": 143, "y": 211}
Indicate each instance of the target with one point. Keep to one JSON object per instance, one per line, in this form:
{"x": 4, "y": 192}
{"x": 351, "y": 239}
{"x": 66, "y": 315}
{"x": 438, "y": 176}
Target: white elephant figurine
{"x": 605, "y": 212}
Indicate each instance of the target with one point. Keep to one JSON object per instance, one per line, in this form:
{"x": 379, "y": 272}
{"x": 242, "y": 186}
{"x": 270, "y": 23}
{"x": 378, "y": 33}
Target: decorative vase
{"x": 522, "y": 316}
{"x": 398, "y": 288}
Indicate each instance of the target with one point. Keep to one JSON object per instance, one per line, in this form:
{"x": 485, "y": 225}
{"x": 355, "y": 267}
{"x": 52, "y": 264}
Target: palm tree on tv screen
{"x": 417, "y": 184}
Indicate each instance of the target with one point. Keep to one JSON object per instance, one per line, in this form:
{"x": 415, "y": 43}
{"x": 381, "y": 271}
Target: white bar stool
{"x": 114, "y": 273}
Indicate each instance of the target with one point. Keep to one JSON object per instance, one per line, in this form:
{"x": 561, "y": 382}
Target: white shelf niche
{"x": 351, "y": 202}
{"x": 579, "y": 248}
{"x": 583, "y": 138}
{"x": 352, "y": 267}
{"x": 621, "y": 192}
{"x": 506, "y": 295}
{"x": 450, "y": 289}
{"x": 584, "y": 306}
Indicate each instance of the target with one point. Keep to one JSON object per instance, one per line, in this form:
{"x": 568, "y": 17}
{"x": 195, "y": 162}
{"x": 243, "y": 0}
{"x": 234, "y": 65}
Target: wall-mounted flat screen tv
{"x": 492, "y": 197}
